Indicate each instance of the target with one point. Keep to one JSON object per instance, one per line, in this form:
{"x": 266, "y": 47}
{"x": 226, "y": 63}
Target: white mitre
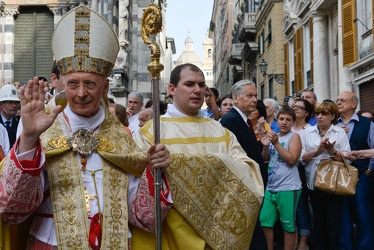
{"x": 83, "y": 41}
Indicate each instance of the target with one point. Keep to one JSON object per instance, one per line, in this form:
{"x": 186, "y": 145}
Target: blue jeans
{"x": 303, "y": 214}
{"x": 361, "y": 204}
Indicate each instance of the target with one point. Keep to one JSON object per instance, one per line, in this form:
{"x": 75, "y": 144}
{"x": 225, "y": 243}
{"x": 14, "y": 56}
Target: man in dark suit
{"x": 244, "y": 95}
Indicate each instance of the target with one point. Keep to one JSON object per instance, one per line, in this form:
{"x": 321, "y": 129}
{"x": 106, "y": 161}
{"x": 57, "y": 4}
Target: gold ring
{"x": 28, "y": 100}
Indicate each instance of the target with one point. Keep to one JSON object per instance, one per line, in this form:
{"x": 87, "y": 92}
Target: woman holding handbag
{"x": 323, "y": 141}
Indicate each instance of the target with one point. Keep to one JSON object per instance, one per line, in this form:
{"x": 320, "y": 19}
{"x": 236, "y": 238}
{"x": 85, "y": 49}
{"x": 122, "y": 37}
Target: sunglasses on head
{"x": 298, "y": 107}
{"x": 322, "y": 112}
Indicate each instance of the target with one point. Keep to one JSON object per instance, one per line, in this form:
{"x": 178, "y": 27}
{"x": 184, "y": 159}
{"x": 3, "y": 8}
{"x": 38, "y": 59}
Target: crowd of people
{"x": 294, "y": 138}
{"x": 78, "y": 167}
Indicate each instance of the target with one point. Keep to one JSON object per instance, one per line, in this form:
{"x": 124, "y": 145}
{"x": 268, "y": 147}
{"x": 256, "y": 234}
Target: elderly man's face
{"x": 309, "y": 96}
{"x": 84, "y": 92}
{"x": 345, "y": 102}
{"x": 144, "y": 116}
{"x": 134, "y": 105}
{"x": 247, "y": 100}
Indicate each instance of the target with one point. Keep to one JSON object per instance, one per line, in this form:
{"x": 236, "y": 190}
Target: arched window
{"x": 209, "y": 52}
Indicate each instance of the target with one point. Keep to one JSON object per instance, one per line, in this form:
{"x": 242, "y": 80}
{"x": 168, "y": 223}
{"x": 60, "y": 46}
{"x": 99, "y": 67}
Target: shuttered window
{"x": 366, "y": 96}
{"x": 311, "y": 50}
{"x": 32, "y": 44}
{"x": 349, "y": 32}
{"x": 298, "y": 59}
{"x": 286, "y": 70}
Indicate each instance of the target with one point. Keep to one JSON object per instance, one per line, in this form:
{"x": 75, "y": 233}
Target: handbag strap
{"x": 345, "y": 163}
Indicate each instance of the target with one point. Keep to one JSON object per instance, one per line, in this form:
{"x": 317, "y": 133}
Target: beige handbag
{"x": 336, "y": 177}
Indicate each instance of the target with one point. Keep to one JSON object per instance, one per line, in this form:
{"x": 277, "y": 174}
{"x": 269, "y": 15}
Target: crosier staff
{"x": 152, "y": 25}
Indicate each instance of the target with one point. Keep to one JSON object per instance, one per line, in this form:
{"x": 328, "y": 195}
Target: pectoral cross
{"x": 88, "y": 198}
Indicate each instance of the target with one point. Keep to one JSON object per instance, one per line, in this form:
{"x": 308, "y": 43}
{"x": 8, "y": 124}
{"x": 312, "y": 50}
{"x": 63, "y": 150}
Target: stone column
{"x": 64, "y": 8}
{"x": 320, "y": 56}
{"x": 7, "y": 60}
{"x": 110, "y": 12}
{"x": 57, "y": 13}
{"x": 94, "y": 5}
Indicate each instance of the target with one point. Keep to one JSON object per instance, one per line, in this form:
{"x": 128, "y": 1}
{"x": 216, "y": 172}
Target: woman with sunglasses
{"x": 324, "y": 141}
{"x": 303, "y": 110}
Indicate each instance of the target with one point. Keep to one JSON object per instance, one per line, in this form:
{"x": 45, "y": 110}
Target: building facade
{"x": 221, "y": 32}
{"x": 323, "y": 45}
{"x": 26, "y": 34}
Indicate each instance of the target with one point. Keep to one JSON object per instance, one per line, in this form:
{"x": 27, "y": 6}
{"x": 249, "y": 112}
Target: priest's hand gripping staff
{"x": 152, "y": 25}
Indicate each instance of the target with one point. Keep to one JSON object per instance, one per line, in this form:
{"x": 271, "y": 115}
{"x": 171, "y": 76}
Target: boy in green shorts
{"x": 284, "y": 184}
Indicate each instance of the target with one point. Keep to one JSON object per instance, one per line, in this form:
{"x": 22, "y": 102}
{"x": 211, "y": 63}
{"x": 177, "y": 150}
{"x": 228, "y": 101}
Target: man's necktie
{"x": 7, "y": 124}
{"x": 250, "y": 125}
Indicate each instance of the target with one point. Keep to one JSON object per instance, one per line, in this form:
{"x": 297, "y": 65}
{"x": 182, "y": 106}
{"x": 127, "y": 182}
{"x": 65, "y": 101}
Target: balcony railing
{"x": 249, "y": 20}
{"x": 237, "y": 50}
{"x": 247, "y": 29}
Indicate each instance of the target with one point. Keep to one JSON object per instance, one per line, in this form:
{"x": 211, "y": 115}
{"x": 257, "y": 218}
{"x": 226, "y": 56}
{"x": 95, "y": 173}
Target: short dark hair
{"x": 55, "y": 70}
{"x": 149, "y": 104}
{"x": 260, "y": 106}
{"x": 286, "y": 110}
{"x": 175, "y": 74}
{"x": 215, "y": 92}
{"x": 42, "y": 78}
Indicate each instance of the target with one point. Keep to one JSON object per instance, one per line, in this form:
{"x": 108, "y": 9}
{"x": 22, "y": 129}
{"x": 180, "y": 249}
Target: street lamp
{"x": 263, "y": 66}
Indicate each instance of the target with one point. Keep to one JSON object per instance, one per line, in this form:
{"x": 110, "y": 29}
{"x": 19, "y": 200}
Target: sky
{"x": 193, "y": 16}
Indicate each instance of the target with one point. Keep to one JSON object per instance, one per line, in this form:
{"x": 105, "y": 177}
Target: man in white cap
{"x": 9, "y": 102}
{"x": 74, "y": 165}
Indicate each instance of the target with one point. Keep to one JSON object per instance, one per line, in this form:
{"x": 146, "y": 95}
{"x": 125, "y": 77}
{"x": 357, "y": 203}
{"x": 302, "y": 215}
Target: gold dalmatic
{"x": 67, "y": 186}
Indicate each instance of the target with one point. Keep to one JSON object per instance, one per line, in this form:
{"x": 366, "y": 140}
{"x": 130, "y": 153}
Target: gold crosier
{"x": 152, "y": 25}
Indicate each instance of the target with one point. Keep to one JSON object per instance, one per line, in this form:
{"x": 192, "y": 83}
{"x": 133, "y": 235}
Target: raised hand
{"x": 35, "y": 121}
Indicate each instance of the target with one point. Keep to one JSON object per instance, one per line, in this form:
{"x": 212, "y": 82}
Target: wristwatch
{"x": 369, "y": 170}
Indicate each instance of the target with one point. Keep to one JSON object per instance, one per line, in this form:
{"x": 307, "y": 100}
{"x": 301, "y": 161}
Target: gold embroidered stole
{"x": 120, "y": 156}
{"x": 215, "y": 186}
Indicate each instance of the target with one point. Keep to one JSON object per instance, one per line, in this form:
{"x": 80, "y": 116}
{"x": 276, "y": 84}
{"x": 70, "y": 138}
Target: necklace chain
{"x": 320, "y": 133}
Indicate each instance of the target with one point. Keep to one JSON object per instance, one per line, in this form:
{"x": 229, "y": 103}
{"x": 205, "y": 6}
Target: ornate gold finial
{"x": 151, "y": 25}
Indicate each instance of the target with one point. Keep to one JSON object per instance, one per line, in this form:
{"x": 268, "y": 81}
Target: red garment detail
{"x": 142, "y": 207}
{"x": 250, "y": 125}
{"x": 95, "y": 231}
{"x": 28, "y": 166}
{"x": 164, "y": 191}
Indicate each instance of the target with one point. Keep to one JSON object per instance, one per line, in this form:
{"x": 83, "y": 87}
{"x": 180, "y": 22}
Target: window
{"x": 367, "y": 14}
{"x": 210, "y": 52}
{"x": 268, "y": 37}
{"x": 271, "y": 88}
{"x": 261, "y": 43}
{"x": 349, "y": 32}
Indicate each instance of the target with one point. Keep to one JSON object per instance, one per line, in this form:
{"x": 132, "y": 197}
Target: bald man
{"x": 360, "y": 131}
{"x": 144, "y": 116}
